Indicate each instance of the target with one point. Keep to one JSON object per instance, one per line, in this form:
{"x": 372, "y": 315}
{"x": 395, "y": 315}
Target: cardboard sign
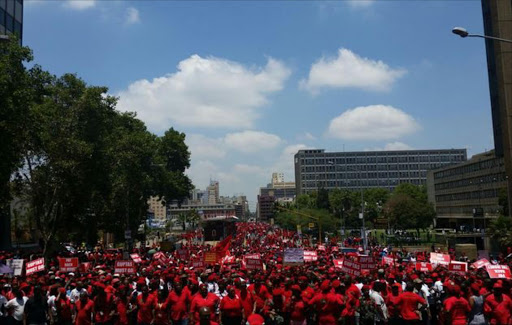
{"x": 366, "y": 262}
{"x": 423, "y": 267}
{"x": 480, "y": 263}
{"x": 198, "y": 264}
{"x": 253, "y": 264}
{"x": 440, "y": 259}
{"x": 293, "y": 256}
{"x": 210, "y": 257}
{"x": 386, "y": 260}
{"x": 351, "y": 268}
{"x": 458, "y": 267}
{"x": 68, "y": 264}
{"x": 310, "y": 256}
{"x": 183, "y": 254}
{"x": 228, "y": 259}
{"x": 498, "y": 271}
{"x": 338, "y": 263}
{"x": 84, "y": 267}
{"x": 321, "y": 247}
{"x": 127, "y": 267}
{"x": 16, "y": 265}
{"x": 254, "y": 256}
{"x": 160, "y": 257}
{"x": 35, "y": 266}
{"x": 136, "y": 258}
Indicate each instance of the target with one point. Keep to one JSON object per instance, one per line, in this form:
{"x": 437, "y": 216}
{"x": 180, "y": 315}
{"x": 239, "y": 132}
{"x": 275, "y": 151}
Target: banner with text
{"x": 16, "y": 265}
{"x": 440, "y": 259}
{"x": 34, "y": 266}
{"x": 366, "y": 262}
{"x": 351, "y": 268}
{"x": 293, "y": 256}
{"x": 136, "y": 258}
{"x": 338, "y": 264}
{"x": 253, "y": 264}
{"x": 124, "y": 267}
{"x": 458, "y": 267}
{"x": 210, "y": 257}
{"x": 68, "y": 264}
{"x": 480, "y": 263}
{"x": 310, "y": 256}
{"x": 386, "y": 260}
{"x": 423, "y": 267}
{"x": 498, "y": 271}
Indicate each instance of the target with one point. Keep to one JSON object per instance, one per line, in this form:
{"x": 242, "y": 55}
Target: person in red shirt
{"x": 205, "y": 317}
{"x": 296, "y": 307}
{"x": 203, "y": 299}
{"x": 121, "y": 302}
{"x": 408, "y": 303}
{"x": 179, "y": 303}
{"x": 145, "y": 307}
{"x": 63, "y": 307}
{"x": 161, "y": 309}
{"x": 497, "y": 306}
{"x": 84, "y": 310}
{"x": 326, "y": 304}
{"x": 392, "y": 304}
{"x": 456, "y": 308}
{"x": 260, "y": 294}
{"x": 231, "y": 308}
{"x": 104, "y": 305}
{"x": 245, "y": 297}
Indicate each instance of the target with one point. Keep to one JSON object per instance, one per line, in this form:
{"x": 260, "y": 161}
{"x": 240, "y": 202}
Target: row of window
{"x": 13, "y": 8}
{"x": 382, "y": 160}
{"x": 361, "y": 183}
{"x": 355, "y": 169}
{"x": 321, "y": 153}
{"x": 365, "y": 175}
{"x": 487, "y": 179}
{"x": 470, "y": 168}
{"x": 468, "y": 210}
{"x": 472, "y": 195}
{"x": 9, "y": 25}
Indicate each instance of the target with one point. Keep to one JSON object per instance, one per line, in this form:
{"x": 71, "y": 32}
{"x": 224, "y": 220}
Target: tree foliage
{"x": 500, "y": 230}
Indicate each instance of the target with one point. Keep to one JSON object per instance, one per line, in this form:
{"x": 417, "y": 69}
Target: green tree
{"x": 322, "y": 199}
{"x": 500, "y": 230}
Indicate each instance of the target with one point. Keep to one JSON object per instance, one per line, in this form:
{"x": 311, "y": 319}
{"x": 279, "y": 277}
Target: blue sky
{"x": 251, "y": 82}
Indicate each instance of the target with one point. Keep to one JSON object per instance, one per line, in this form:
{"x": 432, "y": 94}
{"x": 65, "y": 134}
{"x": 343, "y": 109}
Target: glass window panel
{"x": 2, "y": 4}
{"x": 10, "y": 7}
{"x": 2, "y": 18}
{"x": 18, "y": 14}
{"x": 17, "y": 28}
{"x": 9, "y": 24}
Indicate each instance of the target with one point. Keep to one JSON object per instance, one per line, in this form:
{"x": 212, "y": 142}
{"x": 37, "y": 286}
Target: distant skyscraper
{"x": 11, "y": 17}
{"x": 213, "y": 192}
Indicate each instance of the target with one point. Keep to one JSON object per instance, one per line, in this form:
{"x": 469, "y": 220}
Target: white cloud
{"x": 250, "y": 169}
{"x": 375, "y": 122}
{"x": 349, "y": 70}
{"x": 202, "y": 147}
{"x": 252, "y": 141}
{"x": 80, "y": 4}
{"x": 307, "y": 136}
{"x": 392, "y": 146}
{"x": 132, "y": 16}
{"x": 205, "y": 92}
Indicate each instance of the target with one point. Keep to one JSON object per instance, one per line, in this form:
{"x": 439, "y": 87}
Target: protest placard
{"x": 253, "y": 264}
{"x": 34, "y": 266}
{"x": 480, "y": 263}
{"x": 210, "y": 257}
{"x": 458, "y": 267}
{"x": 310, "y": 256}
{"x": 386, "y": 260}
{"x": 366, "y": 262}
{"x": 68, "y": 264}
{"x": 498, "y": 271}
{"x": 136, "y": 258}
{"x": 440, "y": 259}
{"x": 423, "y": 267}
{"x": 16, "y": 265}
{"x": 293, "y": 256}
{"x": 338, "y": 264}
{"x": 127, "y": 267}
{"x": 351, "y": 268}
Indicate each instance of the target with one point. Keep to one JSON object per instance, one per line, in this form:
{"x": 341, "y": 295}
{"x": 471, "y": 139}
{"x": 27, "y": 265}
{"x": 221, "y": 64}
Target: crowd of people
{"x": 174, "y": 290}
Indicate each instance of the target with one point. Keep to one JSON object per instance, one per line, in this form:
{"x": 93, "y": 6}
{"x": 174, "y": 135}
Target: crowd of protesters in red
{"x": 171, "y": 290}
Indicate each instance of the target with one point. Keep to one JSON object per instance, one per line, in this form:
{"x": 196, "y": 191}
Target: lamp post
{"x": 462, "y": 32}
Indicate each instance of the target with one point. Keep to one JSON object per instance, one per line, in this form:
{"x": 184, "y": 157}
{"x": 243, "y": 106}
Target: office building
{"x": 213, "y": 192}
{"x": 265, "y": 209}
{"x": 11, "y": 17}
{"x": 157, "y": 208}
{"x": 497, "y": 15}
{"x": 315, "y": 168}
{"x": 466, "y": 196}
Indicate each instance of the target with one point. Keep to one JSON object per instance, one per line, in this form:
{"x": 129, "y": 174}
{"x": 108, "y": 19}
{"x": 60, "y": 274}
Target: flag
{"x": 222, "y": 247}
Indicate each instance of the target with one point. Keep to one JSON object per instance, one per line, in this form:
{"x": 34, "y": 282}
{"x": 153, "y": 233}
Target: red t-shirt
{"x": 297, "y": 311}
{"x": 351, "y": 304}
{"x": 161, "y": 315}
{"x": 247, "y": 302}
{"x": 499, "y": 311}
{"x": 408, "y": 305}
{"x": 84, "y": 312}
{"x": 179, "y": 304}
{"x": 231, "y": 307}
{"x": 122, "y": 318}
{"x": 63, "y": 306}
{"x": 458, "y": 308}
{"x": 146, "y": 306}
{"x": 259, "y": 295}
{"x": 103, "y": 308}
{"x": 326, "y": 305}
{"x": 210, "y": 301}
{"x": 392, "y": 303}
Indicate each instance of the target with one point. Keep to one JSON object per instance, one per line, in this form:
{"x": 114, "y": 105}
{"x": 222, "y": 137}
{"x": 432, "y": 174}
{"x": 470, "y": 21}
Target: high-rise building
{"x": 497, "y": 16}
{"x": 213, "y": 192}
{"x": 315, "y": 168}
{"x": 158, "y": 208}
{"x": 11, "y": 17}
{"x": 466, "y": 196}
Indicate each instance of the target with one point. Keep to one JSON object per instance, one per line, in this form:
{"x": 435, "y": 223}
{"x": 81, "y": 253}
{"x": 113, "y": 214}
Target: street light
{"x": 462, "y": 32}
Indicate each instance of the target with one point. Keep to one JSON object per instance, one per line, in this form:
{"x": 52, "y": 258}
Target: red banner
{"x": 351, "y": 268}
{"x": 338, "y": 263}
{"x": 198, "y": 264}
{"x": 84, "y": 267}
{"x": 253, "y": 264}
{"x": 366, "y": 262}
{"x": 68, "y": 264}
{"x": 210, "y": 257}
{"x": 480, "y": 263}
{"x": 423, "y": 267}
{"x": 183, "y": 254}
{"x": 255, "y": 256}
{"x": 136, "y": 258}
{"x": 386, "y": 260}
{"x": 34, "y": 266}
{"x": 124, "y": 267}
{"x": 321, "y": 247}
{"x": 458, "y": 267}
{"x": 161, "y": 257}
{"x": 498, "y": 271}
{"x": 441, "y": 259}
{"x": 310, "y": 256}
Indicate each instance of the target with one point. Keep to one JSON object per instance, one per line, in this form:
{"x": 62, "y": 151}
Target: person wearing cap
{"x": 231, "y": 308}
{"x": 260, "y": 294}
{"x": 326, "y": 304}
{"x": 179, "y": 302}
{"x": 245, "y": 297}
{"x": 476, "y": 302}
{"x": 498, "y": 306}
{"x": 296, "y": 307}
{"x": 456, "y": 308}
{"x": 63, "y": 308}
{"x": 392, "y": 304}
{"x": 104, "y": 305}
{"x": 145, "y": 307}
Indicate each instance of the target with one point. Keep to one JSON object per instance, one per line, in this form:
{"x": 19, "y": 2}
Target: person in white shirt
{"x": 382, "y": 312}
{"x": 17, "y": 306}
{"x": 75, "y": 293}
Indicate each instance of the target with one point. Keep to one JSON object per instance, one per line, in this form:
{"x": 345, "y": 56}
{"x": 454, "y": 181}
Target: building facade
{"x": 157, "y": 207}
{"x": 213, "y": 192}
{"x": 315, "y": 168}
{"x": 11, "y": 17}
{"x": 497, "y": 15}
{"x": 207, "y": 211}
{"x": 265, "y": 209}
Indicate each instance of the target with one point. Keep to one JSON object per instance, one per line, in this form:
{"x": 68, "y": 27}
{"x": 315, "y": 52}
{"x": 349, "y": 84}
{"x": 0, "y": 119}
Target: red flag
{"x": 222, "y": 247}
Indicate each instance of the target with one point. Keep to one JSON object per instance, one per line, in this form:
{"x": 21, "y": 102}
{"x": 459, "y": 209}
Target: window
{"x": 18, "y": 14}
{"x": 17, "y": 28}
{"x": 10, "y": 7}
{"x": 9, "y": 24}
